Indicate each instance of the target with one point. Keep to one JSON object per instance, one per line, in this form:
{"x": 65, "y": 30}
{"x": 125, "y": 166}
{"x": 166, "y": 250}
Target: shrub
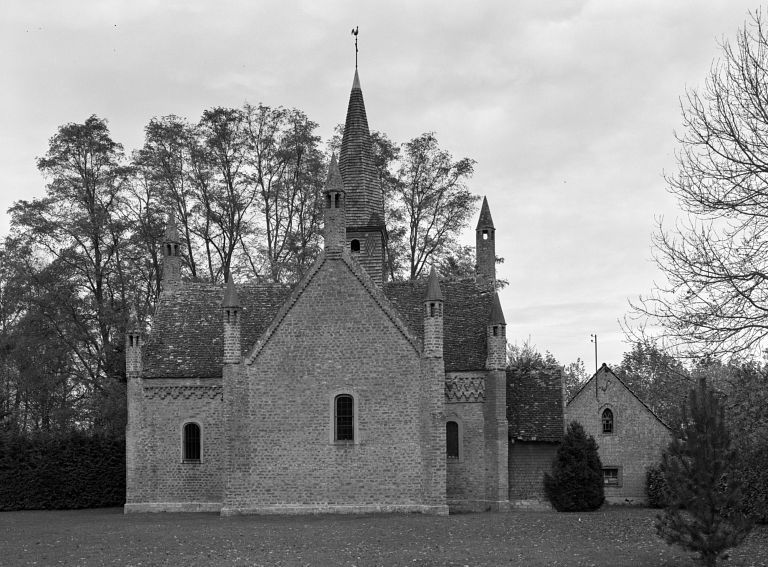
{"x": 656, "y": 487}
{"x": 61, "y": 471}
{"x": 576, "y": 482}
{"x": 752, "y": 473}
{"x": 699, "y": 468}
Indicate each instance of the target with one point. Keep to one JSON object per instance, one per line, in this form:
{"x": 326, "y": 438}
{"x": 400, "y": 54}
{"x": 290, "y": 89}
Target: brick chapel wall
{"x": 465, "y": 480}
{"x": 528, "y": 461}
{"x": 637, "y": 441}
{"x": 162, "y": 480}
{"x": 335, "y": 339}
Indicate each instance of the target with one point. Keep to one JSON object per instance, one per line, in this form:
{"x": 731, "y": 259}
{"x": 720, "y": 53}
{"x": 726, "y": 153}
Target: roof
{"x": 433, "y": 287}
{"x": 231, "y": 298}
{"x": 334, "y": 181}
{"x": 187, "y": 335}
{"x": 466, "y": 308}
{"x": 497, "y": 314}
{"x": 606, "y": 369}
{"x": 187, "y": 332}
{"x": 365, "y": 199}
{"x": 485, "y": 220}
{"x": 535, "y": 404}
{"x": 171, "y": 232}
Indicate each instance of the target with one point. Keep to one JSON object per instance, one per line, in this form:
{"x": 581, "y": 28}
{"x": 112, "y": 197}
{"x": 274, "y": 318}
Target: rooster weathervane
{"x": 355, "y": 31}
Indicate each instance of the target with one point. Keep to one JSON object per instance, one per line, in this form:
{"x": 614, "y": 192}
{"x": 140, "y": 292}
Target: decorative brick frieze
{"x": 465, "y": 389}
{"x": 183, "y": 392}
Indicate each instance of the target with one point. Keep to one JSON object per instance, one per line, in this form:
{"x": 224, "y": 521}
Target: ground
{"x": 610, "y": 536}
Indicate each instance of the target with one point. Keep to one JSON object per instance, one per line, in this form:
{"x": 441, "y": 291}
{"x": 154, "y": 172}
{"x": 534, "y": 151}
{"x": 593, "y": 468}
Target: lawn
{"x": 612, "y": 536}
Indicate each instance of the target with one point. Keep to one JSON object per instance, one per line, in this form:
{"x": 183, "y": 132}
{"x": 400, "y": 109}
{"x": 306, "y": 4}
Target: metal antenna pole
{"x": 593, "y": 339}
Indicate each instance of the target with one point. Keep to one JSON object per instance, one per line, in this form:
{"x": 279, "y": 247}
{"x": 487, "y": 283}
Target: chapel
{"x": 343, "y": 393}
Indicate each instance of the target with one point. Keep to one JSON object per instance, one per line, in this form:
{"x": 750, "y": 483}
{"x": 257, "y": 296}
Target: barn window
{"x": 355, "y": 245}
{"x": 344, "y": 418}
{"x": 451, "y": 439}
{"x": 607, "y": 421}
{"x": 191, "y": 442}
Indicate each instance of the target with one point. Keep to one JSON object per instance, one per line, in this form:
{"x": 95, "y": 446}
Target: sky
{"x": 569, "y": 108}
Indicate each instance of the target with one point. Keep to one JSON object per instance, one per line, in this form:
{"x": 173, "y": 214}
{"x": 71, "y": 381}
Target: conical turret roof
{"x": 485, "y": 220}
{"x": 171, "y": 232}
{"x": 433, "y": 287}
{"x": 365, "y": 200}
{"x": 497, "y": 315}
{"x": 230, "y": 295}
{"x": 334, "y": 181}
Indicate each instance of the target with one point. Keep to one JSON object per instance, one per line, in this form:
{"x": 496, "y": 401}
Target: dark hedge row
{"x": 62, "y": 471}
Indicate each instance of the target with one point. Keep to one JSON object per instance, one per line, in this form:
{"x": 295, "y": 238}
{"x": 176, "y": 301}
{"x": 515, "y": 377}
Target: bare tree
{"x": 715, "y": 300}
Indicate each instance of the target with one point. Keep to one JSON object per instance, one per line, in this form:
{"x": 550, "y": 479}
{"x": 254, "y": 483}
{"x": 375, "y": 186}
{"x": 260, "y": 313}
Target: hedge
{"x": 61, "y": 471}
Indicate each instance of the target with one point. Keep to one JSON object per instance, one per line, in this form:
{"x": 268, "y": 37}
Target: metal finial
{"x": 355, "y": 31}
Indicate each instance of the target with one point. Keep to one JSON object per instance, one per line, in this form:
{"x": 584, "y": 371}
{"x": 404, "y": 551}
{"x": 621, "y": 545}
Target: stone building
{"x": 629, "y": 435}
{"x": 344, "y": 393}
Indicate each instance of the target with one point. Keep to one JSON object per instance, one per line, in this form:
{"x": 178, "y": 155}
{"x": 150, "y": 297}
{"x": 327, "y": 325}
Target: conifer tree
{"x": 576, "y": 482}
{"x": 699, "y": 470}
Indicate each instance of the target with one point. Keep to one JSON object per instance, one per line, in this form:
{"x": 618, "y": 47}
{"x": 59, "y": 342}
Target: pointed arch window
{"x": 344, "y": 418}
{"x": 607, "y": 420}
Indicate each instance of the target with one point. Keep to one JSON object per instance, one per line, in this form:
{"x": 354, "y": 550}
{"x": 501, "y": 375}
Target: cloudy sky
{"x": 568, "y": 106}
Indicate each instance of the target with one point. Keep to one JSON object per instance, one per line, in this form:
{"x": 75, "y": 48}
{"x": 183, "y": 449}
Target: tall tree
{"x": 699, "y": 467}
{"x": 715, "y": 300}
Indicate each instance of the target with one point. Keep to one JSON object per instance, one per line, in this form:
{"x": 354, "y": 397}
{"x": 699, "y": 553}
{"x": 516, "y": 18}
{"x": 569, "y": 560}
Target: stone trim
{"x": 141, "y": 507}
{"x": 290, "y": 509}
{"x": 183, "y": 392}
{"x": 465, "y": 389}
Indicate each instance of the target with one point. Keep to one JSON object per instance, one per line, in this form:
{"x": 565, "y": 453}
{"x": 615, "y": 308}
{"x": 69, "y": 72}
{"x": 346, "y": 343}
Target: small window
{"x": 611, "y": 476}
{"x": 607, "y": 421}
{"x": 451, "y": 440}
{"x": 191, "y": 442}
{"x": 328, "y": 201}
{"x": 355, "y": 245}
{"x": 344, "y": 418}
{"x": 337, "y": 199}
{"x": 485, "y": 235}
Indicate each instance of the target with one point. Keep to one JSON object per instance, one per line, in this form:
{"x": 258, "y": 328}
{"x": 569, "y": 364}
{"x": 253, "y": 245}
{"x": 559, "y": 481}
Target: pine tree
{"x": 576, "y": 482}
{"x": 698, "y": 467}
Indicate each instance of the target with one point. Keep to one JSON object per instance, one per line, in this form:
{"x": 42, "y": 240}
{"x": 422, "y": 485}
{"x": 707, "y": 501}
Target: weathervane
{"x": 354, "y": 33}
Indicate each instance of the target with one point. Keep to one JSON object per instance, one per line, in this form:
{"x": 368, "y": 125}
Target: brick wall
{"x": 160, "y": 480}
{"x": 335, "y": 339}
{"x": 528, "y": 461}
{"x": 638, "y": 438}
{"x": 465, "y": 483}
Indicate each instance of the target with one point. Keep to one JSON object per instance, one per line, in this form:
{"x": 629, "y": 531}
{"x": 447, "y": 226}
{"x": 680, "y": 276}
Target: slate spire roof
{"x": 230, "y": 295}
{"x": 485, "y": 220}
{"x": 497, "y": 314}
{"x": 433, "y": 287}
{"x": 365, "y": 200}
{"x": 334, "y": 181}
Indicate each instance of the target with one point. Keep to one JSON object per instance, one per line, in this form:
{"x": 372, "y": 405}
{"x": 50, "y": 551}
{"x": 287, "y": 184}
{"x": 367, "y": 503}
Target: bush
{"x": 656, "y": 487}
{"x": 576, "y": 482}
{"x": 752, "y": 473}
{"x": 61, "y": 471}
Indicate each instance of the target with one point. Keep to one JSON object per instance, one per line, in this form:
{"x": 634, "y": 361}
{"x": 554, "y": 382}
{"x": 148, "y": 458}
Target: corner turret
{"x": 334, "y": 213}
{"x": 485, "y": 247}
{"x": 433, "y": 318}
{"x": 231, "y": 314}
{"x": 497, "y": 337}
{"x": 171, "y": 258}
{"x": 132, "y": 346}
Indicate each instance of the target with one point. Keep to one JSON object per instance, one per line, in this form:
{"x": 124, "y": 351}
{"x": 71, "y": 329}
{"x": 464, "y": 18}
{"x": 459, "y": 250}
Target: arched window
{"x": 607, "y": 421}
{"x": 191, "y": 442}
{"x": 344, "y": 418}
{"x": 451, "y": 439}
{"x": 355, "y": 245}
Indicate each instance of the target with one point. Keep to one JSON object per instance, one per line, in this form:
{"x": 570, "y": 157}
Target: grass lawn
{"x": 611, "y": 536}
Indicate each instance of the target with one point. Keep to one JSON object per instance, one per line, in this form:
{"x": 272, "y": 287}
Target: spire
{"x": 171, "y": 232}
{"x": 365, "y": 200}
{"x": 433, "y": 287}
{"x": 485, "y": 220}
{"x": 133, "y": 321}
{"x": 497, "y": 315}
{"x": 230, "y": 295}
{"x": 334, "y": 218}
{"x": 334, "y": 182}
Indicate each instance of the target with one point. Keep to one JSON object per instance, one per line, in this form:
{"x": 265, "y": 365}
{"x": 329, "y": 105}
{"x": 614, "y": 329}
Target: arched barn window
{"x": 191, "y": 442}
{"x": 451, "y": 439}
{"x": 344, "y": 418}
{"x": 607, "y": 421}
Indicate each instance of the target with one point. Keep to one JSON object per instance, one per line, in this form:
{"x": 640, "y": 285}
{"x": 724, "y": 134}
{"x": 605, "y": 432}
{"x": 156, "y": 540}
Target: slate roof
{"x": 535, "y": 405}
{"x": 485, "y": 220}
{"x": 466, "y": 309}
{"x": 365, "y": 199}
{"x": 187, "y": 335}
